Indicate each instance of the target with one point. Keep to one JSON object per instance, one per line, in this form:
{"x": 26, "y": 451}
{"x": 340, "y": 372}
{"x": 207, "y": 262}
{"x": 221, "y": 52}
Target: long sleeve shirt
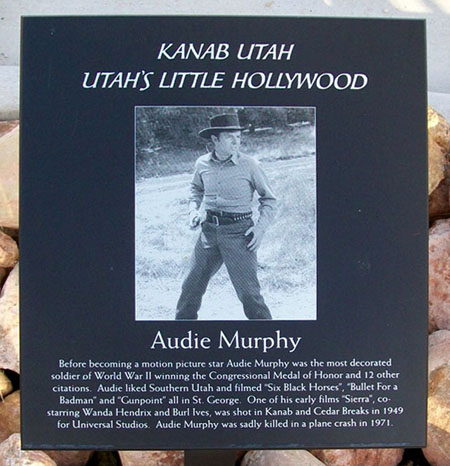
{"x": 229, "y": 186}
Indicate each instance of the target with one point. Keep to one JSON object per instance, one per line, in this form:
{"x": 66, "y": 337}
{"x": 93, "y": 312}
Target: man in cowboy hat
{"x": 225, "y": 181}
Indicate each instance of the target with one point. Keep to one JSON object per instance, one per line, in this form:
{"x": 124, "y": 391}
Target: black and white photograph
{"x": 225, "y": 213}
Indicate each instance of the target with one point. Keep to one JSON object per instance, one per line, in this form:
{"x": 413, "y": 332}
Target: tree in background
{"x": 167, "y": 140}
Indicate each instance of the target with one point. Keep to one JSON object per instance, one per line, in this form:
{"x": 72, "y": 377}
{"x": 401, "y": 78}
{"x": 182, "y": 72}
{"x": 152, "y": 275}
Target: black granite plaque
{"x": 329, "y": 159}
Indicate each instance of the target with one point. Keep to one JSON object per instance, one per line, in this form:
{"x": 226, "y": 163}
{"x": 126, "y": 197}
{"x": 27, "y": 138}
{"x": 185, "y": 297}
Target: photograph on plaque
{"x": 195, "y": 214}
{"x": 238, "y": 207}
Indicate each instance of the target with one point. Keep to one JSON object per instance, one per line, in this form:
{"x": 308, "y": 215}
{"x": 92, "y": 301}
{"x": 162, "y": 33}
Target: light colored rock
{"x": 360, "y": 457}
{"x": 439, "y": 276}
{"x": 438, "y": 149}
{"x": 6, "y": 386}
{"x": 152, "y": 458}
{"x": 438, "y": 437}
{"x": 7, "y": 126}
{"x": 9, "y": 322}
{"x": 12, "y": 455}
{"x": 440, "y": 101}
{"x": 438, "y": 349}
{"x": 69, "y": 457}
{"x": 9, "y": 252}
{"x": 438, "y": 165}
{"x": 10, "y": 416}
{"x": 439, "y": 129}
{"x": 280, "y": 458}
{"x": 9, "y": 174}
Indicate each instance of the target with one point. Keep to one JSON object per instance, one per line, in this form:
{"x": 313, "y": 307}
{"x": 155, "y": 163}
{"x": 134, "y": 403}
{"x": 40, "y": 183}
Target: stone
{"x": 438, "y": 165}
{"x": 9, "y": 174}
{"x": 12, "y": 455}
{"x": 438, "y": 149}
{"x": 7, "y": 126}
{"x": 439, "y": 276}
{"x": 3, "y": 274}
{"x": 105, "y": 458}
{"x": 10, "y": 416}
{"x": 439, "y": 200}
{"x": 438, "y": 129}
{"x": 12, "y": 232}
{"x": 438, "y": 349}
{"x": 152, "y": 458}
{"x": 10, "y": 424}
{"x": 9, "y": 322}
{"x": 280, "y": 457}
{"x": 437, "y": 451}
{"x": 6, "y": 386}
{"x": 69, "y": 457}
{"x": 358, "y": 457}
{"x": 9, "y": 252}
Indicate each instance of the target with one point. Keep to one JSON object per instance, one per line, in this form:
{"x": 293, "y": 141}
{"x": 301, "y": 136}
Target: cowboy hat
{"x": 223, "y": 122}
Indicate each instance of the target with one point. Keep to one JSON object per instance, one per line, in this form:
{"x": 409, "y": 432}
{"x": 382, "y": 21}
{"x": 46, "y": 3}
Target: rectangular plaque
{"x": 223, "y": 233}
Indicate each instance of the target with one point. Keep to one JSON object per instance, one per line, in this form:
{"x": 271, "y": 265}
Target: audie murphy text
{"x": 192, "y": 340}
{"x": 144, "y": 80}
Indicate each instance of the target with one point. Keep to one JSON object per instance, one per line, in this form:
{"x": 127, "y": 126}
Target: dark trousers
{"x": 216, "y": 245}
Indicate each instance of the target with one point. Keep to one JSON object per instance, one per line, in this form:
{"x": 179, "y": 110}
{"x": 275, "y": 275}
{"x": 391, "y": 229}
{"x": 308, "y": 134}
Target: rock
{"x": 438, "y": 349}
{"x": 69, "y": 457}
{"x": 439, "y": 129}
{"x": 3, "y": 274}
{"x": 10, "y": 424}
{"x": 6, "y": 386}
{"x": 439, "y": 200}
{"x": 10, "y": 416}
{"x": 12, "y": 455}
{"x": 438, "y": 149}
{"x": 359, "y": 457}
{"x": 7, "y": 126}
{"x": 9, "y": 174}
{"x": 280, "y": 457}
{"x": 152, "y": 458}
{"x": 438, "y": 165}
{"x": 437, "y": 451}
{"x": 105, "y": 458}
{"x": 12, "y": 232}
{"x": 9, "y": 252}
{"x": 439, "y": 276}
{"x": 9, "y": 322}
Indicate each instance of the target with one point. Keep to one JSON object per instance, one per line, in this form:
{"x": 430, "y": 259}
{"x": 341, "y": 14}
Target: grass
{"x": 289, "y": 252}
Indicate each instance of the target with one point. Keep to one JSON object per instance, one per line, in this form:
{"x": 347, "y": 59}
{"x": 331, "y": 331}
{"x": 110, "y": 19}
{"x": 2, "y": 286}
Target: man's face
{"x": 226, "y": 143}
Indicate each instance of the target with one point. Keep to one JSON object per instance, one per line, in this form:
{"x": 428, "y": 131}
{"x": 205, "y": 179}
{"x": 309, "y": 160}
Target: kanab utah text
{"x": 144, "y": 80}
{"x": 194, "y": 341}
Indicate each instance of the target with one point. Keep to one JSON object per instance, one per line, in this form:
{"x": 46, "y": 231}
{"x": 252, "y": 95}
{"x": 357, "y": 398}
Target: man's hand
{"x": 256, "y": 238}
{"x": 194, "y": 219}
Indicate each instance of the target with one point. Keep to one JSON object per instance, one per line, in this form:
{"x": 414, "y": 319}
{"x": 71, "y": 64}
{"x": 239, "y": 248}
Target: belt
{"x": 225, "y": 218}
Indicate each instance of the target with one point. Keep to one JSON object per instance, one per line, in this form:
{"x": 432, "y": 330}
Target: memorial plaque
{"x": 223, "y": 233}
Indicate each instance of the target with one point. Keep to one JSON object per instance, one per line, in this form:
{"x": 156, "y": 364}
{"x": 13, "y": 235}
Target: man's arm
{"x": 195, "y": 198}
{"x": 267, "y": 200}
{"x": 267, "y": 206}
